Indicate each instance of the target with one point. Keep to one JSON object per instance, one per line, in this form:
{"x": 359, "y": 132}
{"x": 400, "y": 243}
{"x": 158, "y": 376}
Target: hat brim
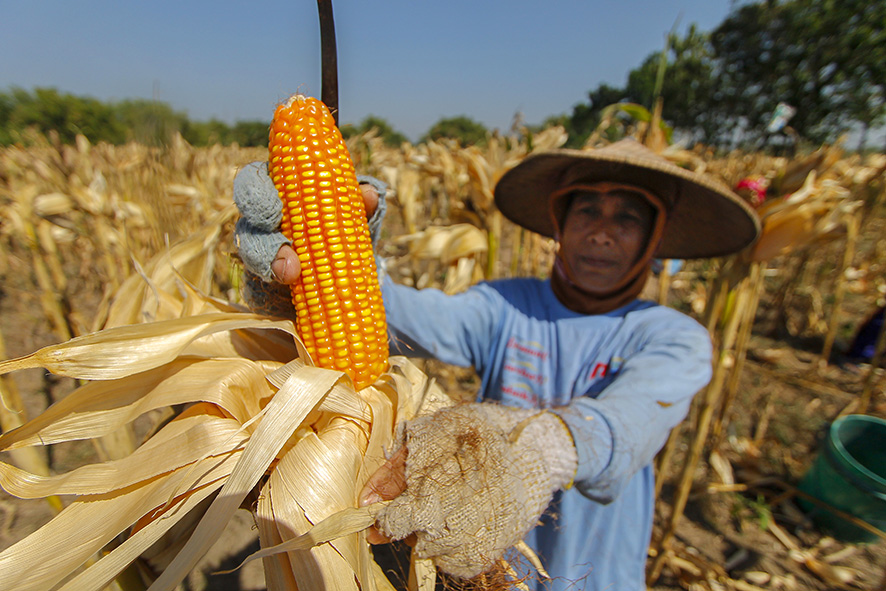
{"x": 705, "y": 218}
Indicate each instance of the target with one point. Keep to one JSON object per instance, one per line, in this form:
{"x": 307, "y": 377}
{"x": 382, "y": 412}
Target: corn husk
{"x": 815, "y": 213}
{"x": 457, "y": 248}
{"x": 259, "y": 418}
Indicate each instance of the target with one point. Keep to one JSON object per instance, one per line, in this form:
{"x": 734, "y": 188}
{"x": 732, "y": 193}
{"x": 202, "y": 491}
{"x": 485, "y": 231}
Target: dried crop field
{"x": 77, "y": 221}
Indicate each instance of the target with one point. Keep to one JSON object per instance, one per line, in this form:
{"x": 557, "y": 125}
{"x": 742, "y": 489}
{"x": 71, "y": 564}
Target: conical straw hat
{"x": 705, "y": 218}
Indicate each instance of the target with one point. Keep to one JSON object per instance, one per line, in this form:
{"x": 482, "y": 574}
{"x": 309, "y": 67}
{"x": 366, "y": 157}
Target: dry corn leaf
{"x": 98, "y": 408}
{"x": 102, "y": 573}
{"x": 549, "y": 139}
{"x": 465, "y": 273}
{"x": 383, "y": 421}
{"x": 456, "y": 246}
{"x": 187, "y": 436}
{"x": 125, "y": 350}
{"x": 422, "y": 574}
{"x": 298, "y": 396}
{"x": 253, "y": 428}
{"x": 52, "y": 204}
{"x": 315, "y": 565}
{"x": 839, "y": 577}
{"x": 445, "y": 243}
{"x": 141, "y": 296}
{"x": 464, "y": 241}
{"x": 795, "y": 221}
{"x": 84, "y": 527}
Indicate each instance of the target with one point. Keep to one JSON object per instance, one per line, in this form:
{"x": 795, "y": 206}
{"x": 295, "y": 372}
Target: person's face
{"x": 603, "y": 235}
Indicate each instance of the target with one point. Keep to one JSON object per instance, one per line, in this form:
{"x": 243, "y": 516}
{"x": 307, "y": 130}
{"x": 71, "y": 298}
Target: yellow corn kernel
{"x": 325, "y": 217}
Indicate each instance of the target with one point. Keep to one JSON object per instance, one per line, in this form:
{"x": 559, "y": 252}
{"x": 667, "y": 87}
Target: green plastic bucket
{"x": 849, "y": 474}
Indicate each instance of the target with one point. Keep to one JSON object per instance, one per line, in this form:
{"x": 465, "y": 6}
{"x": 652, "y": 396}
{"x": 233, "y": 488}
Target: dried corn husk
{"x": 456, "y": 247}
{"x": 817, "y": 211}
{"x": 299, "y": 435}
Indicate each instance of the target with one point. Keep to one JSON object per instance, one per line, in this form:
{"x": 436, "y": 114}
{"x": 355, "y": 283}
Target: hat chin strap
{"x": 629, "y": 287}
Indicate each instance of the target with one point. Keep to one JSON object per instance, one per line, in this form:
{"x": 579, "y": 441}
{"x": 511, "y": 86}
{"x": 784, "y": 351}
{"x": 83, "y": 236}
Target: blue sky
{"x": 409, "y": 62}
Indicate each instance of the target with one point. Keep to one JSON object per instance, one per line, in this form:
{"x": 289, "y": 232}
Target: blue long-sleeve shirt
{"x": 620, "y": 381}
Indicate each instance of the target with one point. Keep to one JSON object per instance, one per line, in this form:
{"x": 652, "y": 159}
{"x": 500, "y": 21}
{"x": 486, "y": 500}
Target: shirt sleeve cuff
{"x": 593, "y": 444}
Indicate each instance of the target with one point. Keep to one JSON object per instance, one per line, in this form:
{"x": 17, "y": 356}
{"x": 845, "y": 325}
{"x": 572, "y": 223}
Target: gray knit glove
{"x": 257, "y": 235}
{"x": 478, "y": 477}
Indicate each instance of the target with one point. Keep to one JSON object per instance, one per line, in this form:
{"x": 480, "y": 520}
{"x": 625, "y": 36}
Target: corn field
{"x": 100, "y": 238}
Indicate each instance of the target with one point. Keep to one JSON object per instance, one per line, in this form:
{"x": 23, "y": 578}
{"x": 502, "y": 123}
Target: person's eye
{"x": 588, "y": 211}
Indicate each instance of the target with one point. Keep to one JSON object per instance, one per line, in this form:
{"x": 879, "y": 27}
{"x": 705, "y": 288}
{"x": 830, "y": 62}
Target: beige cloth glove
{"x": 478, "y": 477}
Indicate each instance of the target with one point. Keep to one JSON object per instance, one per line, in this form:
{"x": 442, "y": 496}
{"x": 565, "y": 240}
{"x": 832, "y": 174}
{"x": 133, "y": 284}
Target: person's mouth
{"x": 596, "y": 262}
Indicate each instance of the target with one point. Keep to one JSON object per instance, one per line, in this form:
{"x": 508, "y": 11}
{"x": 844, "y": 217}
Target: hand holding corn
{"x": 286, "y": 267}
{"x": 335, "y": 290}
{"x": 470, "y": 482}
{"x": 263, "y": 248}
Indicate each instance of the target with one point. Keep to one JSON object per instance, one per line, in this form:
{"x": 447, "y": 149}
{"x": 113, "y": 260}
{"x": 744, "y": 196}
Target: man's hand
{"x": 385, "y": 484}
{"x": 286, "y": 267}
{"x": 477, "y": 478}
{"x": 264, "y": 250}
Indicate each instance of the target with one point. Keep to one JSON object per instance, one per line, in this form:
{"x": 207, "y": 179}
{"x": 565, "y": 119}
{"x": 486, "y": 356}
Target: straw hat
{"x": 705, "y": 218}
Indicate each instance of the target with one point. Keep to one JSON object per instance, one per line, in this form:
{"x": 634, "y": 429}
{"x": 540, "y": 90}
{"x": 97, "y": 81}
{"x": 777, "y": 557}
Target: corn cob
{"x": 338, "y": 303}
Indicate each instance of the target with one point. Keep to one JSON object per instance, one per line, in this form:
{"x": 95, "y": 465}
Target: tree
{"x": 204, "y": 133}
{"x": 144, "y": 121}
{"x": 586, "y": 117}
{"x": 823, "y": 57}
{"x": 46, "y": 109}
{"x": 385, "y": 131}
{"x": 149, "y": 122}
{"x": 687, "y": 87}
{"x": 461, "y": 128}
{"x": 865, "y": 75}
{"x": 251, "y": 133}
{"x": 6, "y": 107}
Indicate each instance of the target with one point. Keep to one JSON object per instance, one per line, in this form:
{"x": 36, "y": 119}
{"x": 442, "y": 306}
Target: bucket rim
{"x": 864, "y": 477}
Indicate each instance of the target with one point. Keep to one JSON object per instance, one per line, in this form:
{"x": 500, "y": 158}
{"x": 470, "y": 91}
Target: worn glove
{"x": 478, "y": 477}
{"x": 257, "y": 235}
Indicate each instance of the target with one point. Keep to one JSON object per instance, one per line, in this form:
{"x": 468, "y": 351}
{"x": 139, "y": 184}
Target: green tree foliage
{"x": 586, "y": 117}
{"x": 825, "y": 58}
{"x": 6, "y": 108}
{"x": 204, "y": 133}
{"x": 687, "y": 89}
{"x": 46, "y": 109}
{"x": 144, "y": 121}
{"x": 214, "y": 131}
{"x": 250, "y": 133}
{"x": 148, "y": 122}
{"x": 385, "y": 131}
{"x": 462, "y": 128}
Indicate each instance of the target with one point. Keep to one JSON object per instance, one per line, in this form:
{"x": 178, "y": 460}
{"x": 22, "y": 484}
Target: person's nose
{"x": 600, "y": 234}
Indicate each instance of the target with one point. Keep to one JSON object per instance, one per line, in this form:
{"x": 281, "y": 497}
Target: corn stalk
{"x": 852, "y": 226}
{"x": 729, "y": 347}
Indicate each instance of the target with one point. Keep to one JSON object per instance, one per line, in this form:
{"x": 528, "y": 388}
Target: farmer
{"x": 581, "y": 380}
